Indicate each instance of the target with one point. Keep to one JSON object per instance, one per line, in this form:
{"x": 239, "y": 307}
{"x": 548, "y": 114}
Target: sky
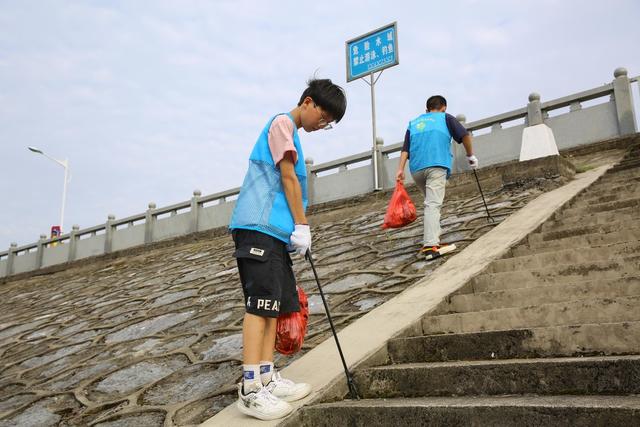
{"x": 150, "y": 100}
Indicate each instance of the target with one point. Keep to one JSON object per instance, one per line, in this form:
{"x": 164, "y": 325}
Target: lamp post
{"x": 65, "y": 164}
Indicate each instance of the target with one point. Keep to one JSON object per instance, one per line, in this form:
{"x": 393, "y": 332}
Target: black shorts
{"x": 265, "y": 272}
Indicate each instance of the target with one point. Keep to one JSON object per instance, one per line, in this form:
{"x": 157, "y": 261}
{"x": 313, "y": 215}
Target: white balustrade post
{"x": 73, "y": 242}
{"x": 379, "y": 164}
{"x": 149, "y": 223}
{"x": 40, "y": 251}
{"x": 108, "y": 234}
{"x": 459, "y": 153}
{"x": 311, "y": 181}
{"x": 534, "y": 111}
{"x": 624, "y": 102}
{"x": 195, "y": 210}
{"x": 10, "y": 258}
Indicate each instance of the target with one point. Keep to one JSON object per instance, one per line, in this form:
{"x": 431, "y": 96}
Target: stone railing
{"x": 497, "y": 139}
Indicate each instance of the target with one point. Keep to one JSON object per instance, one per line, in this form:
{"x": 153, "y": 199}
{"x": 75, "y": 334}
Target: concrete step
{"x": 592, "y": 192}
{"x": 494, "y": 411}
{"x": 600, "y": 270}
{"x": 561, "y": 256}
{"x": 570, "y": 375}
{"x": 596, "y": 208}
{"x": 561, "y": 230}
{"x": 553, "y": 341}
{"x": 592, "y": 240}
{"x": 625, "y": 215}
{"x": 523, "y": 297}
{"x": 627, "y": 168}
{"x": 616, "y": 178}
{"x": 626, "y": 165}
{"x": 565, "y": 256}
{"x": 610, "y": 182}
{"x": 591, "y": 310}
{"x": 613, "y": 195}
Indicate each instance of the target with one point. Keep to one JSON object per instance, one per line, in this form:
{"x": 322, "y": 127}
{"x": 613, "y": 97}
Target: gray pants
{"x": 431, "y": 183}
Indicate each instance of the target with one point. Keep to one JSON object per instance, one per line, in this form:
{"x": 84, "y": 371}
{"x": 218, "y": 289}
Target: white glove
{"x": 301, "y": 239}
{"x": 473, "y": 161}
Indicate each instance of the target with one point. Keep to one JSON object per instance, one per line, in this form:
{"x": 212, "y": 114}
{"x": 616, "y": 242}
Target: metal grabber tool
{"x": 483, "y": 200}
{"x": 353, "y": 392}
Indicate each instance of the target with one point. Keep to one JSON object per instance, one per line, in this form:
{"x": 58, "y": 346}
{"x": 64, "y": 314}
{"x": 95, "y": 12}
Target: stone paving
{"x": 154, "y": 337}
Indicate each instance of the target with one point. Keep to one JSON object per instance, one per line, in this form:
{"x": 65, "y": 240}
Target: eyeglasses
{"x": 323, "y": 123}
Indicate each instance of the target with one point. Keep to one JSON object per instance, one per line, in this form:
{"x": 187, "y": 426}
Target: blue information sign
{"x": 372, "y": 52}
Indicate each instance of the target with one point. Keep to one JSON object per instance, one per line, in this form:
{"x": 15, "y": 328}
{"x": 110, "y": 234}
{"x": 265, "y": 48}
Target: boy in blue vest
{"x": 427, "y": 145}
{"x": 267, "y": 223}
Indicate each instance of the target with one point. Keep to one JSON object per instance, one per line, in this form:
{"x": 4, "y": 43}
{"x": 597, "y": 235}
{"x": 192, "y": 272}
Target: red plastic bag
{"x": 292, "y": 327}
{"x": 401, "y": 210}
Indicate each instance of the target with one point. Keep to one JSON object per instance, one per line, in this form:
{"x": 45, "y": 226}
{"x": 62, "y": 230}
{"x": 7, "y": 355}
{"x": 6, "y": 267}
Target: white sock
{"x": 266, "y": 371}
{"x": 251, "y": 378}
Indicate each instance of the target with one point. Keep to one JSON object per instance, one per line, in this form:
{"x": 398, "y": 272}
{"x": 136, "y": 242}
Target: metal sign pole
{"x": 374, "y": 151}
{"x": 366, "y": 54}
{"x": 376, "y": 178}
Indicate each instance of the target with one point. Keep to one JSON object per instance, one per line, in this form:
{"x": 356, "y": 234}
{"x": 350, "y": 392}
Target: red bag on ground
{"x": 292, "y": 327}
{"x": 401, "y": 210}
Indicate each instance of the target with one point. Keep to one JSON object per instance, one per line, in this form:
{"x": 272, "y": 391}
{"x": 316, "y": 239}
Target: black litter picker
{"x": 353, "y": 392}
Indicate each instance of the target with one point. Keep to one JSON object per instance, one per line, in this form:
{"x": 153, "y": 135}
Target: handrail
{"x": 122, "y": 221}
{"x": 90, "y": 230}
{"x": 167, "y": 209}
{"x": 25, "y": 248}
{"x": 586, "y": 95}
{"x": 220, "y": 195}
{"x": 354, "y": 158}
{"x": 392, "y": 148}
{"x": 499, "y": 118}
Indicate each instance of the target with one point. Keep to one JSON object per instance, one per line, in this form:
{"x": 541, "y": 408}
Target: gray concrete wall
{"x": 173, "y": 226}
{"x": 584, "y": 126}
{"x": 128, "y": 237}
{"x": 90, "y": 246}
{"x": 53, "y": 255}
{"x": 216, "y": 216}
{"x": 343, "y": 184}
{"x": 353, "y": 175}
{"x": 388, "y": 175}
{"x": 501, "y": 145}
{"x": 24, "y": 262}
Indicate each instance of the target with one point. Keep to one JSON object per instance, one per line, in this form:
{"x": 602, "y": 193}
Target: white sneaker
{"x": 287, "y": 390}
{"x": 433, "y": 252}
{"x": 262, "y": 404}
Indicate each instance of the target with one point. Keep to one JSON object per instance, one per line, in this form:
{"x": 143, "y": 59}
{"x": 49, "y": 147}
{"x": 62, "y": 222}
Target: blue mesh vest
{"x": 430, "y": 143}
{"x": 262, "y": 204}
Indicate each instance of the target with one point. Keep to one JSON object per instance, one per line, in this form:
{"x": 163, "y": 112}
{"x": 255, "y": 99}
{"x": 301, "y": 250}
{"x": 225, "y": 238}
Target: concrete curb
{"x": 367, "y": 336}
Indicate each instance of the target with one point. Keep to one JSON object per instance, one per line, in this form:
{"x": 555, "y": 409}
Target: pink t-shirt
{"x": 281, "y": 139}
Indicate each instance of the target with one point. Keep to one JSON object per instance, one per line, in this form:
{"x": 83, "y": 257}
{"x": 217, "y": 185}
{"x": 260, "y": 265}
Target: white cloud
{"x": 490, "y": 37}
{"x": 150, "y": 100}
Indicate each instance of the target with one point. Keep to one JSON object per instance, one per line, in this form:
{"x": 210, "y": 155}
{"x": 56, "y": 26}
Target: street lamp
{"x": 65, "y": 164}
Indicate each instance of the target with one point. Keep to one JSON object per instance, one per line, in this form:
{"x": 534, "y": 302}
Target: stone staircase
{"x": 547, "y": 335}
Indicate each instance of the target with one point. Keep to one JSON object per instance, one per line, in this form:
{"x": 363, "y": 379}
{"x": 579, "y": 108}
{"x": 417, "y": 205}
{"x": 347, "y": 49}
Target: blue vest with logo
{"x": 262, "y": 205}
{"x": 430, "y": 144}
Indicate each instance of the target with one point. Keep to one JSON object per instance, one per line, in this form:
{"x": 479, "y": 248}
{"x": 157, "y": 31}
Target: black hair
{"x": 436, "y": 102}
{"x": 328, "y": 96}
